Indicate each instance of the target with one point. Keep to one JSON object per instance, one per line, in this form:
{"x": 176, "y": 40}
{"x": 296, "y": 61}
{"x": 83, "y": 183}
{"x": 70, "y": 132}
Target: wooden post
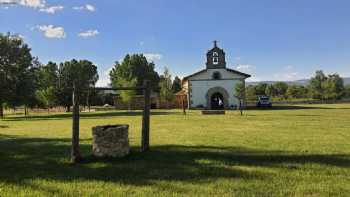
{"x": 146, "y": 117}
{"x": 88, "y": 99}
{"x": 183, "y": 106}
{"x": 1, "y": 110}
{"x": 240, "y": 106}
{"x": 25, "y": 110}
{"x": 75, "y": 152}
{"x": 244, "y": 95}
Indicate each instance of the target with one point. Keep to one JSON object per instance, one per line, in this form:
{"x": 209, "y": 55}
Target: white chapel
{"x": 214, "y": 86}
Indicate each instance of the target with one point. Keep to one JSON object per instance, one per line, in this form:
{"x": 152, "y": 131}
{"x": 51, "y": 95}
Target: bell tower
{"x": 216, "y": 57}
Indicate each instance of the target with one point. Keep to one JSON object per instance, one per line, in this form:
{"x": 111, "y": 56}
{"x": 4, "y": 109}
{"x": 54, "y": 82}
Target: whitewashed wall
{"x": 200, "y": 88}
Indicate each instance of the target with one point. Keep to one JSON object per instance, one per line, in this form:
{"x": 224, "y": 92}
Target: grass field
{"x": 289, "y": 151}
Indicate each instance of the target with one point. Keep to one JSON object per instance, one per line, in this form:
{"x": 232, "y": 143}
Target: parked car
{"x": 264, "y": 101}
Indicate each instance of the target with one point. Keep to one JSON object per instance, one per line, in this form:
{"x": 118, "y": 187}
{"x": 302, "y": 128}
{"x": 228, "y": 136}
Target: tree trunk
{"x": 1, "y": 110}
{"x": 240, "y": 107}
{"x": 75, "y": 154}
{"x": 88, "y": 100}
{"x": 25, "y": 110}
{"x": 183, "y": 107}
{"x": 68, "y": 108}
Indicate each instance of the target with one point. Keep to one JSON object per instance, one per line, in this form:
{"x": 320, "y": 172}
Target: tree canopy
{"x": 17, "y": 81}
{"x": 136, "y": 67}
{"x": 83, "y": 74}
{"x": 165, "y": 84}
{"x": 177, "y": 86}
{"x": 326, "y": 87}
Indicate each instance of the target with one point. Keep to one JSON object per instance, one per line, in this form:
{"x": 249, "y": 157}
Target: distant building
{"x": 214, "y": 86}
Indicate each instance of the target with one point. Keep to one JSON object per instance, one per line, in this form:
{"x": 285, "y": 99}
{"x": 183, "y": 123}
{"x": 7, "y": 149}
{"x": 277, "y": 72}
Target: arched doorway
{"x": 217, "y": 98}
{"x": 217, "y": 101}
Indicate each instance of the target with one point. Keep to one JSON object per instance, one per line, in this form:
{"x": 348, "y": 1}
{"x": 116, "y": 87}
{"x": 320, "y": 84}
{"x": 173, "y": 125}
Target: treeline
{"x": 24, "y": 81}
{"x": 320, "y": 87}
{"x": 134, "y": 69}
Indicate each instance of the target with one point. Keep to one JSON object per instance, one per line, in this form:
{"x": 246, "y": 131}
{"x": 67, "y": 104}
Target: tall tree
{"x": 166, "y": 92}
{"x": 333, "y": 87}
{"x": 260, "y": 89}
{"x": 281, "y": 89}
{"x": 16, "y": 70}
{"x": 240, "y": 95}
{"x": 135, "y": 66}
{"x": 47, "y": 85}
{"x": 347, "y": 91}
{"x": 82, "y": 73}
{"x": 316, "y": 88}
{"x": 296, "y": 91}
{"x": 251, "y": 93}
{"x": 48, "y": 75}
{"x": 126, "y": 95}
{"x": 271, "y": 90}
{"x": 176, "y": 84}
{"x": 46, "y": 97}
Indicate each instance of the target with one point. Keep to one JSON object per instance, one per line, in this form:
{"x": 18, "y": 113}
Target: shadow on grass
{"x": 85, "y": 115}
{"x": 25, "y": 159}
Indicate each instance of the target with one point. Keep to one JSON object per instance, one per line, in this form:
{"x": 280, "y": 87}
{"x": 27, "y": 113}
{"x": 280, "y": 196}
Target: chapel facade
{"x": 213, "y": 87}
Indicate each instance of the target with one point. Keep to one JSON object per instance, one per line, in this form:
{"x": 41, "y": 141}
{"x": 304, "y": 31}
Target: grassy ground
{"x": 289, "y": 151}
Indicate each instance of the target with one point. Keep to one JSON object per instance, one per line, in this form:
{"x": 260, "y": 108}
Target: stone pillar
{"x": 110, "y": 141}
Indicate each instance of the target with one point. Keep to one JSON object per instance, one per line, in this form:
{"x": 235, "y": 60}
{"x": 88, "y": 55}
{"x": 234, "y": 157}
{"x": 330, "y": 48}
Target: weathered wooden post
{"x": 146, "y": 116}
{"x": 183, "y": 106}
{"x": 1, "y": 110}
{"x": 75, "y": 152}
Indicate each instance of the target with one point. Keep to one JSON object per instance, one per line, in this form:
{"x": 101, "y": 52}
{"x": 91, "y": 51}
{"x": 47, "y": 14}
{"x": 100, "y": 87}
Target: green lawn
{"x": 290, "y": 151}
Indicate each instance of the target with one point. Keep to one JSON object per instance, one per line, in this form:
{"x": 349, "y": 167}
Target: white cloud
{"x": 142, "y": 43}
{"x": 51, "y": 31}
{"x": 89, "y": 33}
{"x": 27, "y": 3}
{"x": 245, "y": 68}
{"x": 289, "y": 67}
{"x": 104, "y": 79}
{"x": 33, "y": 3}
{"x": 86, "y": 7}
{"x": 52, "y": 9}
{"x": 89, "y": 7}
{"x": 20, "y": 36}
{"x": 288, "y": 74}
{"x": 36, "y": 4}
{"x": 254, "y": 79}
{"x": 153, "y": 56}
{"x": 249, "y": 69}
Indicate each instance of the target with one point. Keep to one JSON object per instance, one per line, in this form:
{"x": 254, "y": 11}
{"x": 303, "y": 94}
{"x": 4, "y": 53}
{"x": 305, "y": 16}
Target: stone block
{"x": 110, "y": 141}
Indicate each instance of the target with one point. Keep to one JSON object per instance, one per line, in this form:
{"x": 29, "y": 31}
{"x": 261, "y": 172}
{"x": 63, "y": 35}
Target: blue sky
{"x": 270, "y": 39}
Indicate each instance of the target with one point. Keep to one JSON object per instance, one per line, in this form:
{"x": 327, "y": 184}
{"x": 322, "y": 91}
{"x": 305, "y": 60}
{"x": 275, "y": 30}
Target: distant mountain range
{"x": 303, "y": 82}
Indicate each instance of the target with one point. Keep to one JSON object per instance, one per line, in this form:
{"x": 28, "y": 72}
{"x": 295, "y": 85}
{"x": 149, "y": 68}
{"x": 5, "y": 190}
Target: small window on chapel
{"x": 216, "y": 75}
{"x": 215, "y": 58}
